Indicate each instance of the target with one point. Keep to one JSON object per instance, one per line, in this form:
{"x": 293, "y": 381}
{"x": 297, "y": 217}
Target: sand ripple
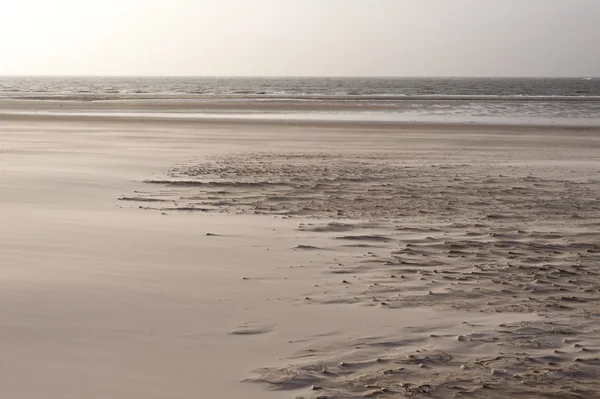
{"x": 508, "y": 240}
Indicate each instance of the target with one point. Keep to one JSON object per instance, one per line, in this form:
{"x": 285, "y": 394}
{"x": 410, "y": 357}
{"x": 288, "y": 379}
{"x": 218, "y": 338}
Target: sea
{"x": 573, "y": 101}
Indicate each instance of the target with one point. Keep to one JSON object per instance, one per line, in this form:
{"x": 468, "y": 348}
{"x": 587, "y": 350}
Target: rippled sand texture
{"x": 164, "y": 258}
{"x": 499, "y": 229}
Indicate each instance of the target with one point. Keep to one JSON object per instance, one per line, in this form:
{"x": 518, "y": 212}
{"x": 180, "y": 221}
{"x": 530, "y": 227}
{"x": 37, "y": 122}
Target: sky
{"x": 300, "y": 37}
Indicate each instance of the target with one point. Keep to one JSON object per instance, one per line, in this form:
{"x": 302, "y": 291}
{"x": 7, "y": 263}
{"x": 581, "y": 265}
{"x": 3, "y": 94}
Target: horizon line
{"x": 304, "y": 76}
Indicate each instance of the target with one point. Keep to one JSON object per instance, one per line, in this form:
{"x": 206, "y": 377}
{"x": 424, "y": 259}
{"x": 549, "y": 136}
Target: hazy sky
{"x": 301, "y": 37}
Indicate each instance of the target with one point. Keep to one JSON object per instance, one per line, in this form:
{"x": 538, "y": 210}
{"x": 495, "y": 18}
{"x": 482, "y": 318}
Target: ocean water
{"x": 119, "y": 87}
{"x": 521, "y": 100}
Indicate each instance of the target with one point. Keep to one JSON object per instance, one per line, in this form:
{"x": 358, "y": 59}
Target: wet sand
{"x": 152, "y": 259}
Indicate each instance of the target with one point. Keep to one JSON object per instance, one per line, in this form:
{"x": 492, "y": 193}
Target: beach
{"x": 154, "y": 257}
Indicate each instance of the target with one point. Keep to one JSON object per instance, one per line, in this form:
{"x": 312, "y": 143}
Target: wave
{"x": 424, "y": 97}
{"x": 261, "y": 96}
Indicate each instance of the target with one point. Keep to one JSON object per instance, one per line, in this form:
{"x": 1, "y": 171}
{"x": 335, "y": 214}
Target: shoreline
{"x": 226, "y": 120}
{"x": 316, "y": 98}
{"x": 312, "y": 113}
